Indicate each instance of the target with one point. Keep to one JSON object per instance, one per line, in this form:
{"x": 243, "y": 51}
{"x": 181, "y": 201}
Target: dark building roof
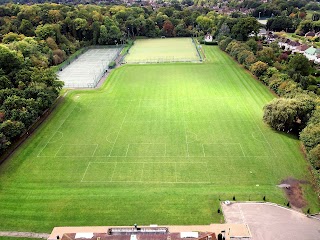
{"x": 141, "y": 236}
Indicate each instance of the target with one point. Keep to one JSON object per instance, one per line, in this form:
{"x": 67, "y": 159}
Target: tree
{"x": 4, "y": 142}
{"x": 280, "y": 23}
{"x": 310, "y": 136}
{"x": 45, "y": 31}
{"x": 4, "y": 80}
{"x": 103, "y": 36}
{"x": 12, "y": 37}
{"x": 243, "y": 27}
{"x": 224, "y": 43}
{"x": 168, "y": 28}
{"x": 314, "y": 157}
{"x": 251, "y": 59}
{"x": 26, "y": 28}
{"x": 288, "y": 114}
{"x": 12, "y": 128}
{"x": 205, "y": 24}
{"x": 253, "y": 45}
{"x": 10, "y": 61}
{"x": 298, "y": 63}
{"x": 266, "y": 55}
{"x": 258, "y": 68}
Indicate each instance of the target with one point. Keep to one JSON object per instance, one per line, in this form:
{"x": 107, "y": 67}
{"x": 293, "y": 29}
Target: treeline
{"x": 26, "y": 91}
{"x": 297, "y": 111}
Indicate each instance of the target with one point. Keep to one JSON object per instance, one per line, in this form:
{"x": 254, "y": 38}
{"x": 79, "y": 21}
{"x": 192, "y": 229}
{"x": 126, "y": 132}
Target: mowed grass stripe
{"x": 204, "y": 109}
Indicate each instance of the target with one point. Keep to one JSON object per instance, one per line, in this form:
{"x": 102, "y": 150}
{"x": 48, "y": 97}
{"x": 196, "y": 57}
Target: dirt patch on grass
{"x": 294, "y": 192}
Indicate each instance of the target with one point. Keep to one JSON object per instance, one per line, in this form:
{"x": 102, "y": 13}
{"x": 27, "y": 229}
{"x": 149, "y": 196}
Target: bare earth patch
{"x": 294, "y": 192}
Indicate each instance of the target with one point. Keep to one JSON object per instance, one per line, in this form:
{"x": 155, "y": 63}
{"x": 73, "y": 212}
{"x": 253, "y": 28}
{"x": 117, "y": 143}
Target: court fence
{"x": 101, "y": 72}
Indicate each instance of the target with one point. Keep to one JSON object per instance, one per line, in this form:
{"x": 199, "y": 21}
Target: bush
{"x": 289, "y": 114}
{"x": 312, "y": 88}
{"x": 112, "y": 64}
{"x": 258, "y": 68}
{"x": 310, "y": 136}
{"x": 314, "y": 157}
{"x": 224, "y": 43}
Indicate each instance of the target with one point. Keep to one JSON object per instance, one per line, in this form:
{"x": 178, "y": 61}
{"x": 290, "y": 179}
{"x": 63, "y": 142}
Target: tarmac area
{"x": 268, "y": 221}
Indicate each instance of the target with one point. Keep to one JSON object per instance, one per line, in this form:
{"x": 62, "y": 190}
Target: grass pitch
{"x": 160, "y": 147}
{"x": 163, "y": 50}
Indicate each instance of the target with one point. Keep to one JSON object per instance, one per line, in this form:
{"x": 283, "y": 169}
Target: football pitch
{"x": 157, "y": 144}
{"x": 163, "y": 50}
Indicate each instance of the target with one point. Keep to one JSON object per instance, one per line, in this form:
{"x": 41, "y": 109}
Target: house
{"x": 262, "y": 32}
{"x": 292, "y": 45}
{"x": 301, "y": 48}
{"x": 310, "y": 34}
{"x": 137, "y": 234}
{"x": 284, "y": 43}
{"x": 208, "y": 38}
{"x": 311, "y": 53}
{"x": 271, "y": 37}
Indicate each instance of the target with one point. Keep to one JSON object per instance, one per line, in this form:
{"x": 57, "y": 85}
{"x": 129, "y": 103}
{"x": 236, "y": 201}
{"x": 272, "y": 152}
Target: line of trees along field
{"x": 297, "y": 111}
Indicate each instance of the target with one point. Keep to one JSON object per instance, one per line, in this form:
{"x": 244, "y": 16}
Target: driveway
{"x": 268, "y": 221}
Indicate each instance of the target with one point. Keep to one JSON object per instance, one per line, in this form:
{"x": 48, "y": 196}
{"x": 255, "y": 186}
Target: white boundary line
{"x": 58, "y": 150}
{"x": 62, "y": 122}
{"x": 242, "y": 150}
{"x": 61, "y": 136}
{"x": 107, "y": 137}
{"x": 114, "y": 170}
{"x": 204, "y": 154}
{"x": 97, "y": 145}
{"x": 120, "y": 129}
{"x": 185, "y": 129}
{"x": 85, "y": 172}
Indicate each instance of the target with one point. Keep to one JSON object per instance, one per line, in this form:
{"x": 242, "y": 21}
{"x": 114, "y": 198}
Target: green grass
{"x": 162, "y": 50}
{"x": 160, "y": 147}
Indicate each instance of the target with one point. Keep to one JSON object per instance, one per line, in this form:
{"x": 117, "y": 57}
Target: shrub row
{"x": 298, "y": 109}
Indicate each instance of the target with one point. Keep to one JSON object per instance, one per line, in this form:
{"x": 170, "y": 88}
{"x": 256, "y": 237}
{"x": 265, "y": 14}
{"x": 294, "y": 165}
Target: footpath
{"x": 24, "y": 234}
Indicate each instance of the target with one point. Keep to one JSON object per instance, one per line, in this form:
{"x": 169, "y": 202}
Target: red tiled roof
{"x": 148, "y": 236}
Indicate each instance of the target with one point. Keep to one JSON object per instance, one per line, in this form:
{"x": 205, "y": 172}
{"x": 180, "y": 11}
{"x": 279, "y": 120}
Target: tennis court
{"x": 88, "y": 68}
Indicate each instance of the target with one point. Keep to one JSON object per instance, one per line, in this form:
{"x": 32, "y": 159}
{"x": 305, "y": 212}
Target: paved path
{"x": 24, "y": 234}
{"x": 269, "y": 221}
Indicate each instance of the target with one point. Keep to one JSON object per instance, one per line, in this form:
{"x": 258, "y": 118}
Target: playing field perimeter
{"x": 163, "y": 50}
{"x": 157, "y": 144}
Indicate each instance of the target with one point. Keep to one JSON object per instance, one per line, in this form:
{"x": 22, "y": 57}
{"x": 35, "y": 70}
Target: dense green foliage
{"x": 291, "y": 77}
{"x": 26, "y": 91}
{"x": 78, "y": 168}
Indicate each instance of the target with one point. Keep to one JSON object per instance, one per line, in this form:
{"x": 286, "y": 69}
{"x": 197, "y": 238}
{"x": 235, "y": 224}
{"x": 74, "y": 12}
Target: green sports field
{"x": 157, "y": 144}
{"x": 163, "y": 50}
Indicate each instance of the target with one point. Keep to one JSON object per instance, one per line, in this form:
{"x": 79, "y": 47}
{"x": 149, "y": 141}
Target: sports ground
{"x": 88, "y": 68}
{"x": 163, "y": 50}
{"x": 158, "y": 143}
